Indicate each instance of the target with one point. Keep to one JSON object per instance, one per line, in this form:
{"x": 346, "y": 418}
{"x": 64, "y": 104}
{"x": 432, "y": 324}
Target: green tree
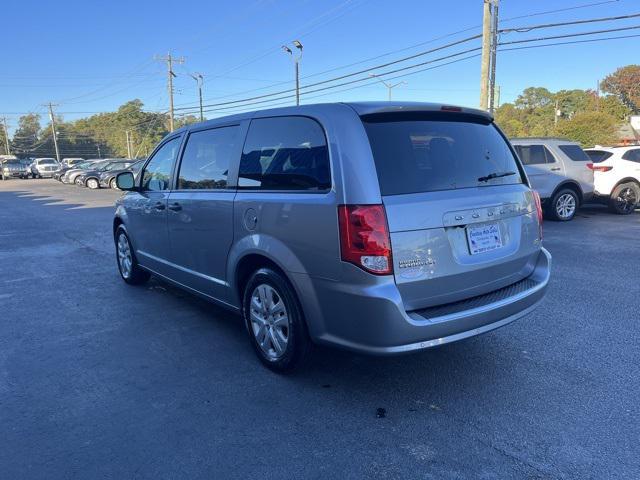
{"x": 26, "y": 135}
{"x": 612, "y": 105}
{"x": 533, "y": 98}
{"x": 589, "y": 128}
{"x": 625, "y": 84}
{"x": 575, "y": 101}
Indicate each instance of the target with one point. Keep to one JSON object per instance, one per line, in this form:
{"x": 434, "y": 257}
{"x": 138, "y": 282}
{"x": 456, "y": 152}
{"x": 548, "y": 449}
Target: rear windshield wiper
{"x": 493, "y": 175}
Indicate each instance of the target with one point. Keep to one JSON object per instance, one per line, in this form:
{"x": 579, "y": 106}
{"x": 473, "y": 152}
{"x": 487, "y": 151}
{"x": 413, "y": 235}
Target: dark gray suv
{"x": 377, "y": 227}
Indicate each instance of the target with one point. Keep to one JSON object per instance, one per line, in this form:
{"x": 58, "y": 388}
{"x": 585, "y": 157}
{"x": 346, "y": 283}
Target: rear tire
{"x": 624, "y": 198}
{"x": 128, "y": 266}
{"x": 275, "y": 322}
{"x": 563, "y": 205}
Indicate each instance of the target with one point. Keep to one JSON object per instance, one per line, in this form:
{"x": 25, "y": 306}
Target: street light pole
{"x": 390, "y": 86}
{"x": 296, "y": 60}
{"x": 199, "y": 78}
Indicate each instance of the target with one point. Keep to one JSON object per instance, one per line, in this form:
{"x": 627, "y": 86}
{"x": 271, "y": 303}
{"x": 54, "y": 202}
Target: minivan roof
{"x": 361, "y": 108}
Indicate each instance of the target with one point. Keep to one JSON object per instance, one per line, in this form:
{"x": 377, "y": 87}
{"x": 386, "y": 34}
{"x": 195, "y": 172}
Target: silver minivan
{"x": 380, "y": 228}
{"x": 560, "y": 171}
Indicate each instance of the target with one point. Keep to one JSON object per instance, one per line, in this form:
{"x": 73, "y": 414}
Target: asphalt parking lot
{"x": 102, "y": 380}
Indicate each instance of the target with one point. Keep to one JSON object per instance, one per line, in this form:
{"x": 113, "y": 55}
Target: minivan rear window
{"x": 575, "y": 153}
{"x": 437, "y": 151}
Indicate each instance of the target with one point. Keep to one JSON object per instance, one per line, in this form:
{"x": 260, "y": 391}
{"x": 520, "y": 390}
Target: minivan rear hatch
{"x": 462, "y": 220}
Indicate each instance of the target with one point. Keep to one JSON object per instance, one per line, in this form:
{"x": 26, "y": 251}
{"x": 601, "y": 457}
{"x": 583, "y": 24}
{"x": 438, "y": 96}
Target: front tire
{"x": 128, "y": 266}
{"x": 275, "y": 322}
{"x": 624, "y": 198}
{"x": 563, "y": 205}
{"x": 113, "y": 184}
{"x": 92, "y": 183}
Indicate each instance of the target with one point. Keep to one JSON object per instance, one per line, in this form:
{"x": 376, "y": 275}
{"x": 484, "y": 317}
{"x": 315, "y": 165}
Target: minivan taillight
{"x": 364, "y": 238}
{"x": 536, "y": 197}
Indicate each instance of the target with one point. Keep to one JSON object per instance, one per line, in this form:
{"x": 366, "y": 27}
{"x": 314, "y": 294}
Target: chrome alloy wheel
{"x": 269, "y": 321}
{"x": 566, "y": 206}
{"x": 124, "y": 256}
{"x": 626, "y": 200}
{"x": 92, "y": 183}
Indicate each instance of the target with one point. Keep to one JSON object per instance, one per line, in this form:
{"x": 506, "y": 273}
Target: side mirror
{"x": 125, "y": 181}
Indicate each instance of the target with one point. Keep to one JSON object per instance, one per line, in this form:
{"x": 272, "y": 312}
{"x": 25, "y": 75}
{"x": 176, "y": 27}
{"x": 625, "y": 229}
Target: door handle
{"x": 159, "y": 206}
{"x": 555, "y": 169}
{"x": 175, "y": 207}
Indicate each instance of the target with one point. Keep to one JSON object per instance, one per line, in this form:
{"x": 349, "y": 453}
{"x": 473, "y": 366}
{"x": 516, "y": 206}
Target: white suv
{"x": 617, "y": 176}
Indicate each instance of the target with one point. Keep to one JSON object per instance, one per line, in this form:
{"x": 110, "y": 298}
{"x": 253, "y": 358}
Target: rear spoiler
{"x": 417, "y": 107}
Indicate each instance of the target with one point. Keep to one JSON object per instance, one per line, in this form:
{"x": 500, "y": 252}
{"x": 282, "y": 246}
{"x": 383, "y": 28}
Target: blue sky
{"x": 93, "y": 56}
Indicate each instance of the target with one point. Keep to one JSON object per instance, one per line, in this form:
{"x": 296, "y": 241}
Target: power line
{"x": 385, "y": 74}
{"x": 341, "y": 77}
{"x": 569, "y": 43}
{"x": 562, "y": 24}
{"x": 576, "y": 7}
{"x": 569, "y": 35}
{"x": 259, "y": 97}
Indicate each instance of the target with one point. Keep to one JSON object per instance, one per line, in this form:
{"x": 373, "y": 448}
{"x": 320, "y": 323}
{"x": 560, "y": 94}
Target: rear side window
{"x": 597, "y": 156}
{"x": 534, "y": 154}
{"x": 205, "y": 161}
{"x": 430, "y": 152}
{"x": 285, "y": 153}
{"x": 632, "y": 155}
{"x": 575, "y": 153}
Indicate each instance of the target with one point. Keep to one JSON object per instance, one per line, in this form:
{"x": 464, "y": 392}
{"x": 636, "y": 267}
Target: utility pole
{"x": 199, "y": 78}
{"x": 128, "y": 144}
{"x": 556, "y": 113}
{"x": 170, "y": 61}
{"x": 6, "y": 136}
{"x": 98, "y": 145}
{"x": 486, "y": 54}
{"x": 494, "y": 51}
{"x": 296, "y": 60}
{"x": 390, "y": 86}
{"x": 53, "y": 129}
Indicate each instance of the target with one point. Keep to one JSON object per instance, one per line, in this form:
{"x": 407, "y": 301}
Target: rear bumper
{"x": 372, "y": 319}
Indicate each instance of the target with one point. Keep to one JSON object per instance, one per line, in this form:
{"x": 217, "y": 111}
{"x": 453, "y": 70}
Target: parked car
{"x": 382, "y": 228}
{"x": 108, "y": 178}
{"x": 77, "y": 166}
{"x": 13, "y": 168}
{"x": 558, "y": 170}
{"x": 91, "y": 178}
{"x": 617, "y": 177}
{"x": 70, "y": 175}
{"x": 69, "y": 162}
{"x": 44, "y": 167}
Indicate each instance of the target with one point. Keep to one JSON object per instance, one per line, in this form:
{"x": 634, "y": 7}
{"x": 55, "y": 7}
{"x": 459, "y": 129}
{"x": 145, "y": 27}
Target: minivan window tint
{"x": 597, "y": 156}
{"x": 438, "y": 152}
{"x": 632, "y": 155}
{"x": 575, "y": 153}
{"x": 205, "y": 161}
{"x": 47, "y": 162}
{"x": 157, "y": 174}
{"x": 285, "y": 153}
{"x": 534, "y": 154}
